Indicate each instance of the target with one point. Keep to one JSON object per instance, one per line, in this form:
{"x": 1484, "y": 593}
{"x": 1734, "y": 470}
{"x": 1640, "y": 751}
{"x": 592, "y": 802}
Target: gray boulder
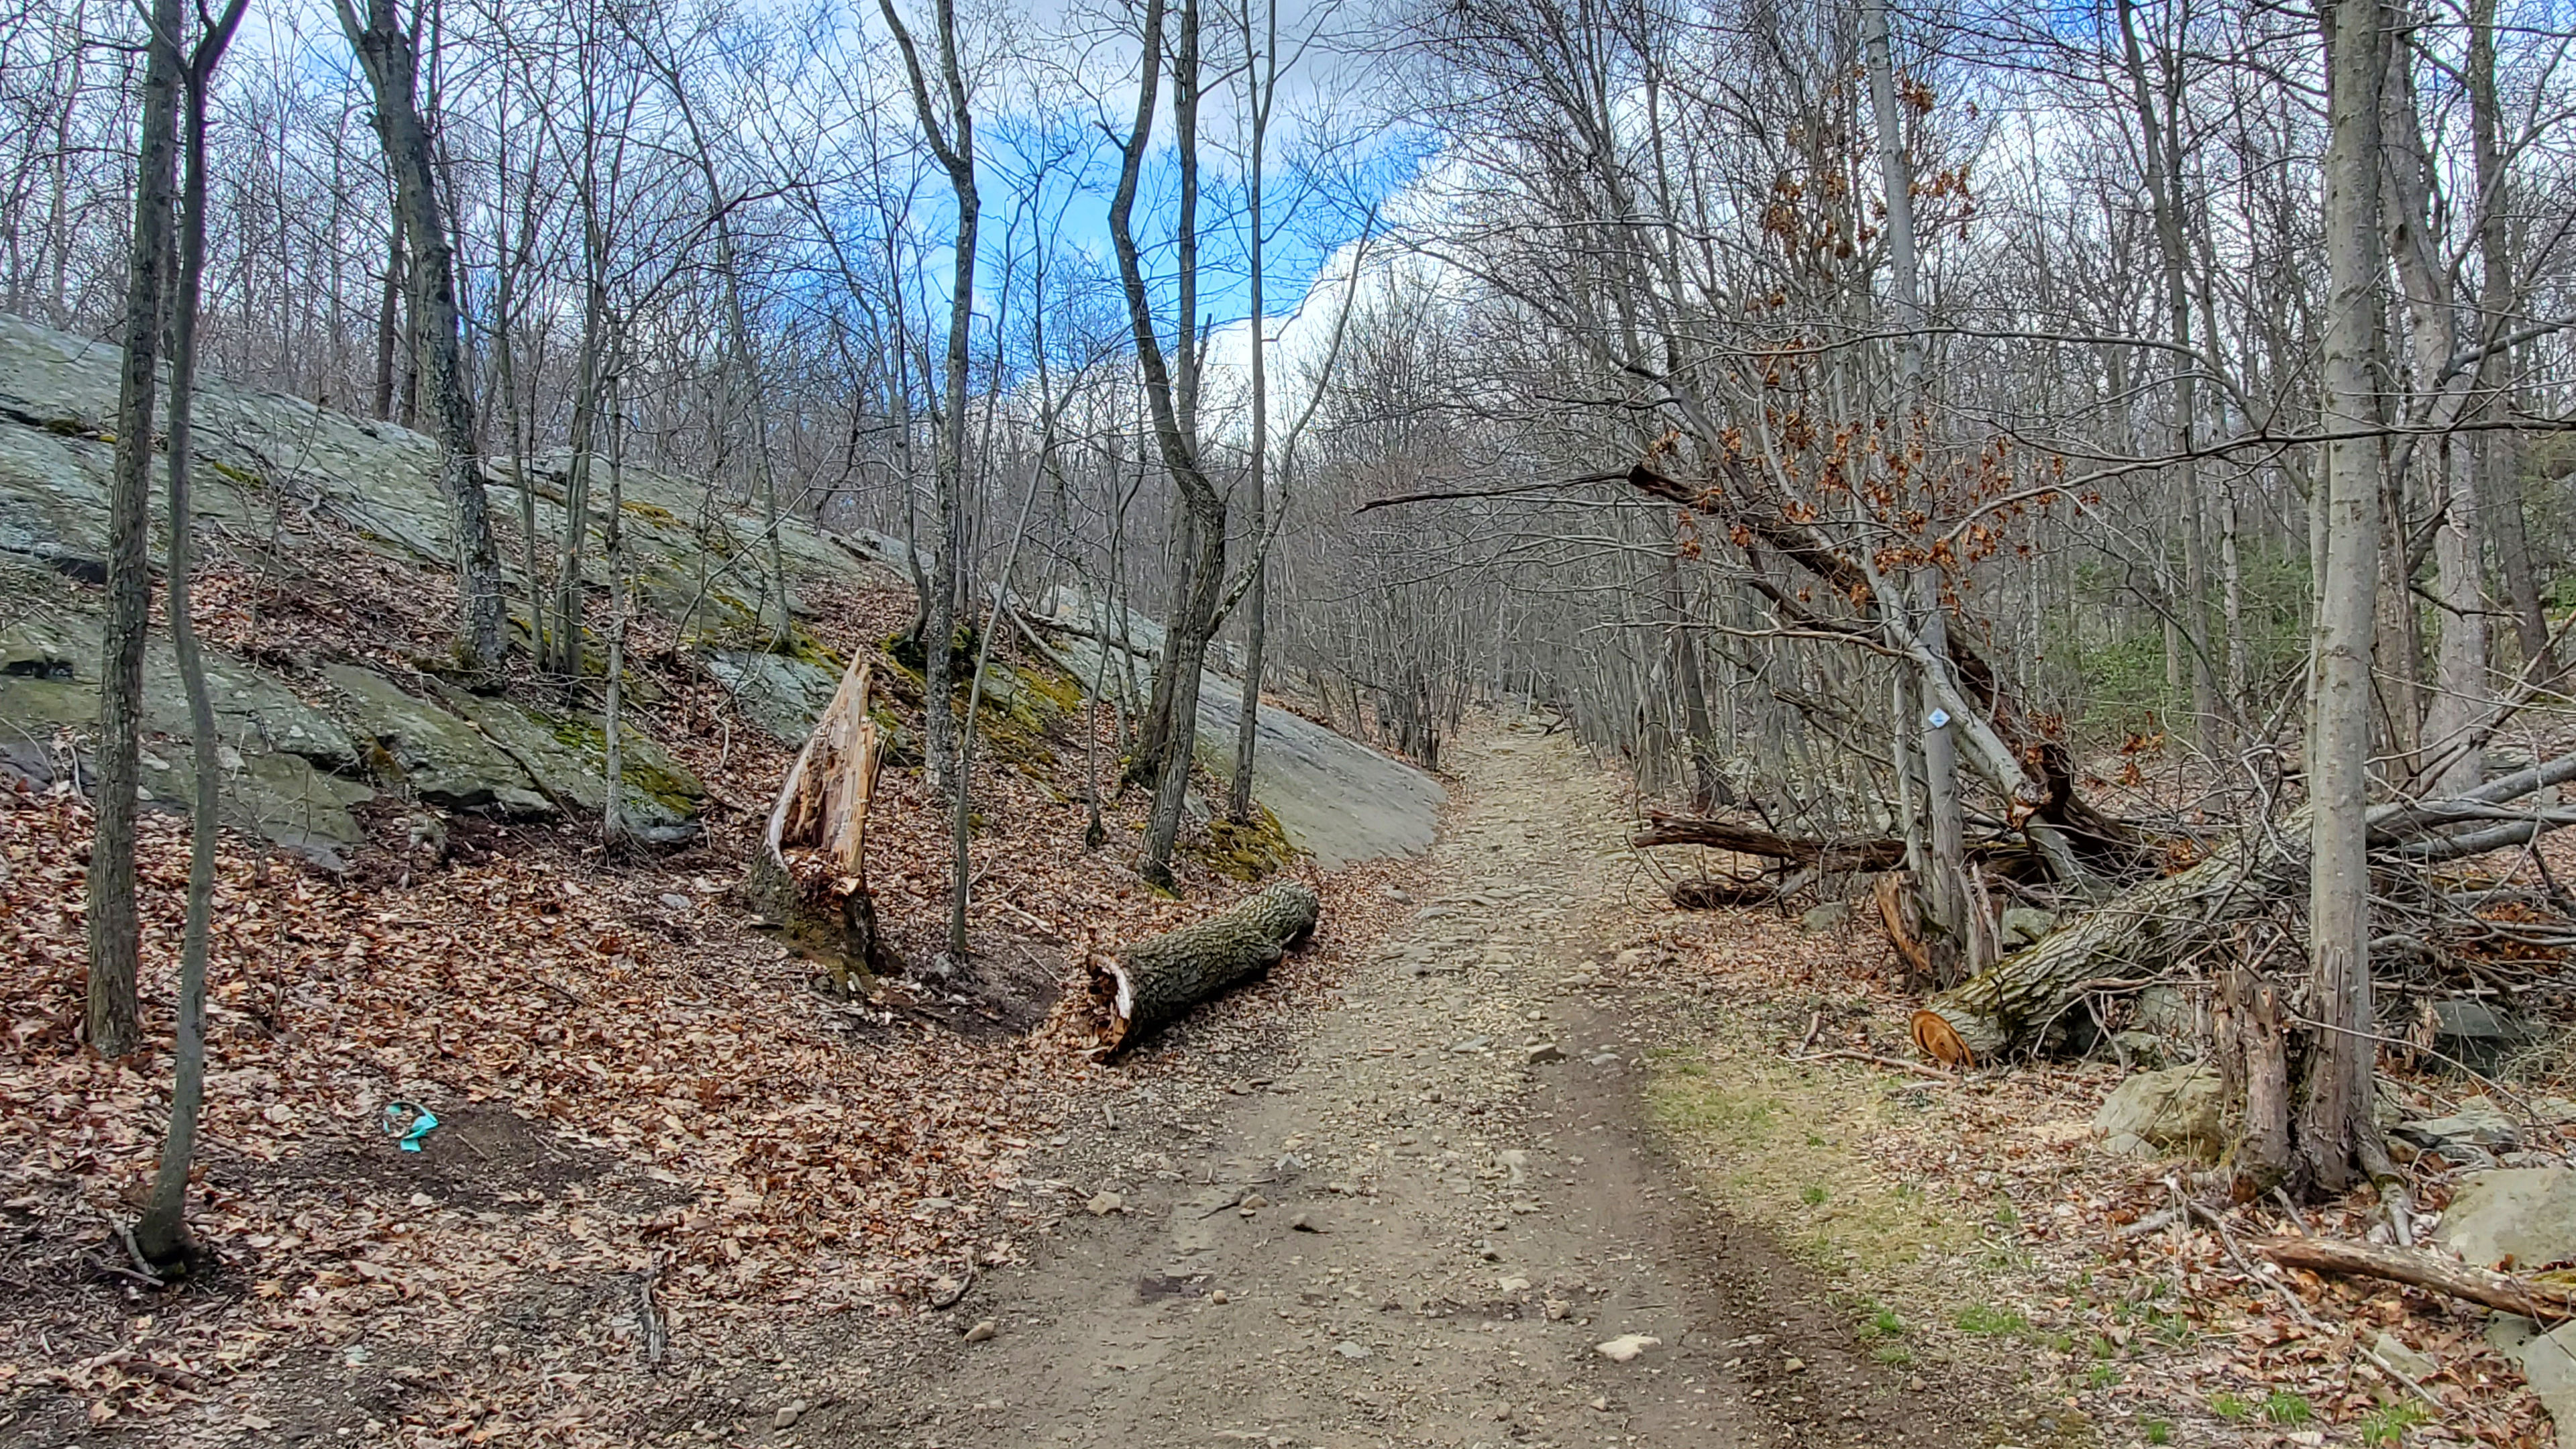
{"x": 2523, "y": 1214}
{"x": 784, "y": 696}
{"x": 2476, "y": 1122}
{"x": 567, "y": 757}
{"x": 2177, "y": 1110}
{"x": 443, "y": 759}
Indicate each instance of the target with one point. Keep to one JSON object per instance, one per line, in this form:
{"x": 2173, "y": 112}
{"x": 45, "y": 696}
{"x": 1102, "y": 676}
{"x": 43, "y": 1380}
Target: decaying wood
{"x": 1154, "y": 982}
{"x": 810, "y": 873}
{"x": 1903, "y": 915}
{"x": 2144, "y": 933}
{"x": 1847, "y": 855}
{"x": 2530, "y": 1297}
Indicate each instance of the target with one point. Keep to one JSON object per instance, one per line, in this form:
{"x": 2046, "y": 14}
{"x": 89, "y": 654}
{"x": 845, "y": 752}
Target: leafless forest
{"x": 2107, "y": 459}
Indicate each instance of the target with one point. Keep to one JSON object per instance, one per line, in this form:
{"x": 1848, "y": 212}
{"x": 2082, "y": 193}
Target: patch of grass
{"x": 2159, "y": 1432}
{"x": 1884, "y": 1323}
{"x": 2101, "y": 1376}
{"x": 2232, "y": 1407}
{"x": 2284, "y": 1407}
{"x": 2388, "y": 1424}
{"x": 1812, "y": 1195}
{"x": 1895, "y": 1355}
{"x": 1983, "y": 1318}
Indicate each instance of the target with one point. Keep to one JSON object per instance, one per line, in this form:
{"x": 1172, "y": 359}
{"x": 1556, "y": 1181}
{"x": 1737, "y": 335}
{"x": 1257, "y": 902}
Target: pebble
{"x": 1626, "y": 1346}
{"x": 674, "y": 901}
{"x": 1546, "y": 1052}
{"x": 1218, "y": 1297}
{"x": 1512, "y": 1285}
{"x": 1253, "y": 1202}
{"x": 982, "y": 1332}
{"x": 1106, "y": 1203}
{"x": 1305, "y": 1223}
{"x": 1351, "y": 1350}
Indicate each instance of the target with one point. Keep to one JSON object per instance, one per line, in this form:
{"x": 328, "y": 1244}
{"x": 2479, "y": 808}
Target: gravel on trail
{"x": 1432, "y": 1215}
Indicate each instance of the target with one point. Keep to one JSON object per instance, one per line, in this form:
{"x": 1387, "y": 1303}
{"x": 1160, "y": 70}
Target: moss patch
{"x": 1249, "y": 851}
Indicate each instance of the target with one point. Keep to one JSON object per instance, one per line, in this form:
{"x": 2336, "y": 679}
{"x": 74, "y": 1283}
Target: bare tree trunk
{"x": 2500, "y": 453}
{"x": 2335, "y": 1123}
{"x": 953, "y": 143}
{"x": 1185, "y": 639}
{"x": 1945, "y": 894}
{"x": 389, "y": 324}
{"x": 386, "y": 53}
{"x": 161, "y": 1235}
{"x": 114, "y": 933}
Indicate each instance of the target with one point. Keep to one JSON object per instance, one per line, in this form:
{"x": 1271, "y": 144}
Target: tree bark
{"x": 819, "y": 896}
{"x": 2335, "y": 1118}
{"x": 114, "y": 932}
{"x": 1155, "y": 982}
{"x": 161, "y": 1234}
{"x": 386, "y": 53}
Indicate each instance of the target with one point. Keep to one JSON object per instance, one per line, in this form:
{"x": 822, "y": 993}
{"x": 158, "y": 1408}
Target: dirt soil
{"x": 1419, "y": 1222}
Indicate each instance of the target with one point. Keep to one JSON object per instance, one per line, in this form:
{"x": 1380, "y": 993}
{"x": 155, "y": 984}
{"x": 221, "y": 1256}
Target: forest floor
{"x": 1510, "y": 1109}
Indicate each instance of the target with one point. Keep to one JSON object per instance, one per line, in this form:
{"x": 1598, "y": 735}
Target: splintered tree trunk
{"x": 810, "y": 873}
{"x": 1155, "y": 982}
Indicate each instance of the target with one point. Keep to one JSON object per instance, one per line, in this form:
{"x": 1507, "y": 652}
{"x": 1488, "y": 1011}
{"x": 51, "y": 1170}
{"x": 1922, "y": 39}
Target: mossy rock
{"x": 1247, "y": 851}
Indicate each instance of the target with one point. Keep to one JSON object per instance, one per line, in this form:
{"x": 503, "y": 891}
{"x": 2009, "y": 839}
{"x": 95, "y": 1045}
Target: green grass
{"x": 2229, "y": 1406}
{"x": 1812, "y": 1195}
{"x": 1884, "y": 1323}
{"x": 2101, "y": 1376}
{"x": 2388, "y": 1425}
{"x": 2284, "y": 1407}
{"x": 2159, "y": 1432}
{"x": 1987, "y": 1319}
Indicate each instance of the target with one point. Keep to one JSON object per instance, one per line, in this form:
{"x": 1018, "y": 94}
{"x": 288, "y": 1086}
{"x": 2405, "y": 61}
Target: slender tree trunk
{"x": 114, "y": 932}
{"x": 161, "y": 1235}
{"x": 389, "y": 324}
{"x": 2499, "y": 454}
{"x": 2335, "y": 1125}
{"x": 953, "y": 143}
{"x": 1944, "y": 882}
{"x": 386, "y": 53}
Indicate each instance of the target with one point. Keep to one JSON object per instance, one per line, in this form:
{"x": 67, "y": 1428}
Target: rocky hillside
{"x": 329, "y": 544}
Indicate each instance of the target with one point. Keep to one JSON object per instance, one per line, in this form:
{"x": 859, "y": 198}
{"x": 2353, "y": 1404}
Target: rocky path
{"x": 1423, "y": 1220}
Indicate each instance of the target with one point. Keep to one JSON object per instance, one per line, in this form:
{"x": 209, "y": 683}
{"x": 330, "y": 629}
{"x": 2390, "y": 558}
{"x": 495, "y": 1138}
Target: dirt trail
{"x": 1451, "y": 1228}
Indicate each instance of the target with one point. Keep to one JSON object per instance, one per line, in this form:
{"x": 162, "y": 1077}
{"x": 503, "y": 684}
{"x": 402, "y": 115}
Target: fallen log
{"x": 1843, "y": 855}
{"x": 2146, "y": 932}
{"x": 2530, "y": 1297}
{"x": 1153, "y": 983}
{"x": 809, "y": 875}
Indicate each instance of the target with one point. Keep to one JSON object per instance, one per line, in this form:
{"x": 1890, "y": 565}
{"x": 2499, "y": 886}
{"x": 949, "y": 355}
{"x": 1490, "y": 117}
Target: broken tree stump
{"x": 810, "y": 873}
{"x": 1153, "y": 983}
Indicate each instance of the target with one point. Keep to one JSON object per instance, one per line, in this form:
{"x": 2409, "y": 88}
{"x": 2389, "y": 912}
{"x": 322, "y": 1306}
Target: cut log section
{"x": 810, "y": 872}
{"x": 1155, "y": 982}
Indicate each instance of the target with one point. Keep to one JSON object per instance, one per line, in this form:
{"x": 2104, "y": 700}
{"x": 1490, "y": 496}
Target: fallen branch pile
{"x": 2145, "y": 932}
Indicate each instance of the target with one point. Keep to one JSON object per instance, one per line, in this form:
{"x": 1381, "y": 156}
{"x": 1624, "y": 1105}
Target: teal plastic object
{"x": 423, "y": 1122}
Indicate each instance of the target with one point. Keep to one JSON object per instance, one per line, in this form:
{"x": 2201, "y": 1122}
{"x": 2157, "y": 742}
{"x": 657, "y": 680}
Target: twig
{"x": 656, "y": 1332}
{"x": 1848, "y": 1055}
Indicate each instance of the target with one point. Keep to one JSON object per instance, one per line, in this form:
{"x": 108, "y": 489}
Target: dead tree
{"x": 810, "y": 873}
{"x": 1155, "y": 982}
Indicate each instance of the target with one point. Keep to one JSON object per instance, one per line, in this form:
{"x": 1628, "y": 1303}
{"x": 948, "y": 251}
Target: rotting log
{"x": 810, "y": 873}
{"x": 1840, "y": 855}
{"x": 2531, "y": 1297}
{"x": 1153, "y": 983}
{"x": 2143, "y": 933}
